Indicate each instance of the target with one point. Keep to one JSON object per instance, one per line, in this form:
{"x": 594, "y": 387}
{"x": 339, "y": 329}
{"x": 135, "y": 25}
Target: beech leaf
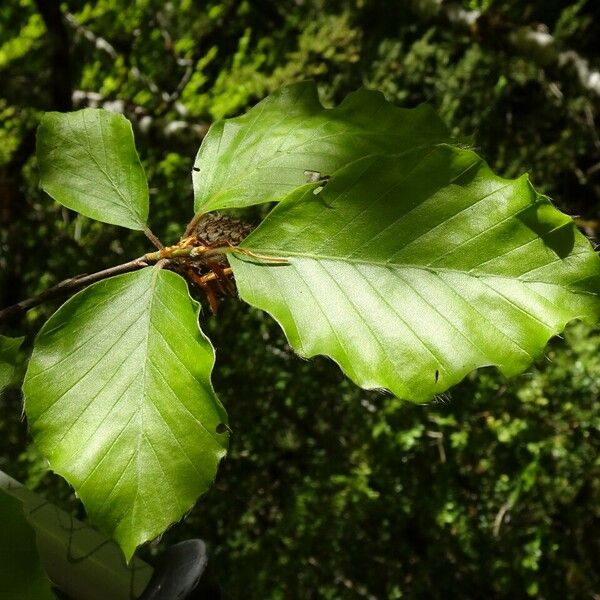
{"x": 88, "y": 162}
{"x": 288, "y": 139}
{"x": 410, "y": 271}
{"x": 119, "y": 400}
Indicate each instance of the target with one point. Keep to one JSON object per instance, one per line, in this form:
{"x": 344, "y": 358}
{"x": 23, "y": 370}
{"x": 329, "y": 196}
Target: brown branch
{"x": 70, "y": 286}
{"x": 188, "y": 251}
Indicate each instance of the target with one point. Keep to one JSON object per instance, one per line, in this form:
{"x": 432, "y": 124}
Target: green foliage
{"x": 519, "y": 115}
{"x": 311, "y": 449}
{"x": 118, "y": 398}
{"x": 406, "y": 230}
{"x": 264, "y": 154}
{"x": 17, "y": 47}
{"x": 88, "y": 162}
{"x": 413, "y": 494}
{"x": 410, "y": 271}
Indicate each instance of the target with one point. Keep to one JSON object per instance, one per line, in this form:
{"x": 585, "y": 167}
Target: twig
{"x": 438, "y": 436}
{"x": 157, "y": 243}
{"x": 192, "y": 252}
{"x": 103, "y": 45}
{"x": 500, "y": 517}
{"x": 162, "y": 257}
{"x": 70, "y": 286}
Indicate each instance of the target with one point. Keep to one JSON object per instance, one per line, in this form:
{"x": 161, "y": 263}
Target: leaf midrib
{"x": 143, "y": 395}
{"x": 67, "y": 142}
{"x": 103, "y": 169}
{"x": 387, "y": 265}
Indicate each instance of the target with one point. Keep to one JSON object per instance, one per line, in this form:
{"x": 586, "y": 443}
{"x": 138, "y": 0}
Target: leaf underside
{"x": 264, "y": 154}
{"x": 21, "y": 572}
{"x": 79, "y": 560}
{"x": 411, "y": 271}
{"x": 88, "y": 162}
{"x": 119, "y": 400}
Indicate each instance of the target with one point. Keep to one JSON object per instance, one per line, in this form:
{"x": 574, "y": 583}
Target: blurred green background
{"x": 329, "y": 491}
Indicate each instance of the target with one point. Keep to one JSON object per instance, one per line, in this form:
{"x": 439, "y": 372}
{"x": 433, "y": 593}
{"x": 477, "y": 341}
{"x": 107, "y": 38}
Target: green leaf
{"x": 8, "y": 354}
{"x": 80, "y": 561}
{"x": 119, "y": 400}
{"x": 412, "y": 271}
{"x": 289, "y": 137}
{"x": 88, "y": 162}
{"x": 21, "y": 573}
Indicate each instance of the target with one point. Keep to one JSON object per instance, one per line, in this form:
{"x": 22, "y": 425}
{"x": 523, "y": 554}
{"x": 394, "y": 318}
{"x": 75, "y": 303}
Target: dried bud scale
{"x": 216, "y": 230}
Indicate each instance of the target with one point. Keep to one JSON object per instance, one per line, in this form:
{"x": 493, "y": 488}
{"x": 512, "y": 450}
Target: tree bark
{"x": 60, "y": 59}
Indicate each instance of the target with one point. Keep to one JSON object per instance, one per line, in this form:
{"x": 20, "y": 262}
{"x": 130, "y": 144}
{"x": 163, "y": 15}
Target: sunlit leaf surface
{"x": 411, "y": 271}
{"x": 119, "y": 400}
{"x": 88, "y": 162}
{"x": 289, "y": 139}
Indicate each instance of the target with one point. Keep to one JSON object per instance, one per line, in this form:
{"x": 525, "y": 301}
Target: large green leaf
{"x": 88, "y": 162}
{"x": 289, "y": 136}
{"x": 119, "y": 400}
{"x": 412, "y": 271}
{"x": 80, "y": 561}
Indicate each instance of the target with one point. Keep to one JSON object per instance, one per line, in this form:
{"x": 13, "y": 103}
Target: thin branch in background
{"x": 169, "y": 45}
{"x": 185, "y": 79}
{"x": 188, "y": 63}
{"x": 103, "y": 45}
{"x": 438, "y": 436}
{"x": 99, "y": 42}
{"x": 500, "y": 517}
{"x": 70, "y": 286}
{"x": 591, "y": 123}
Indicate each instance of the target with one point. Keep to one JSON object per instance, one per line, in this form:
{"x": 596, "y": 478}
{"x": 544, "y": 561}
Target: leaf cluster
{"x": 519, "y": 114}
